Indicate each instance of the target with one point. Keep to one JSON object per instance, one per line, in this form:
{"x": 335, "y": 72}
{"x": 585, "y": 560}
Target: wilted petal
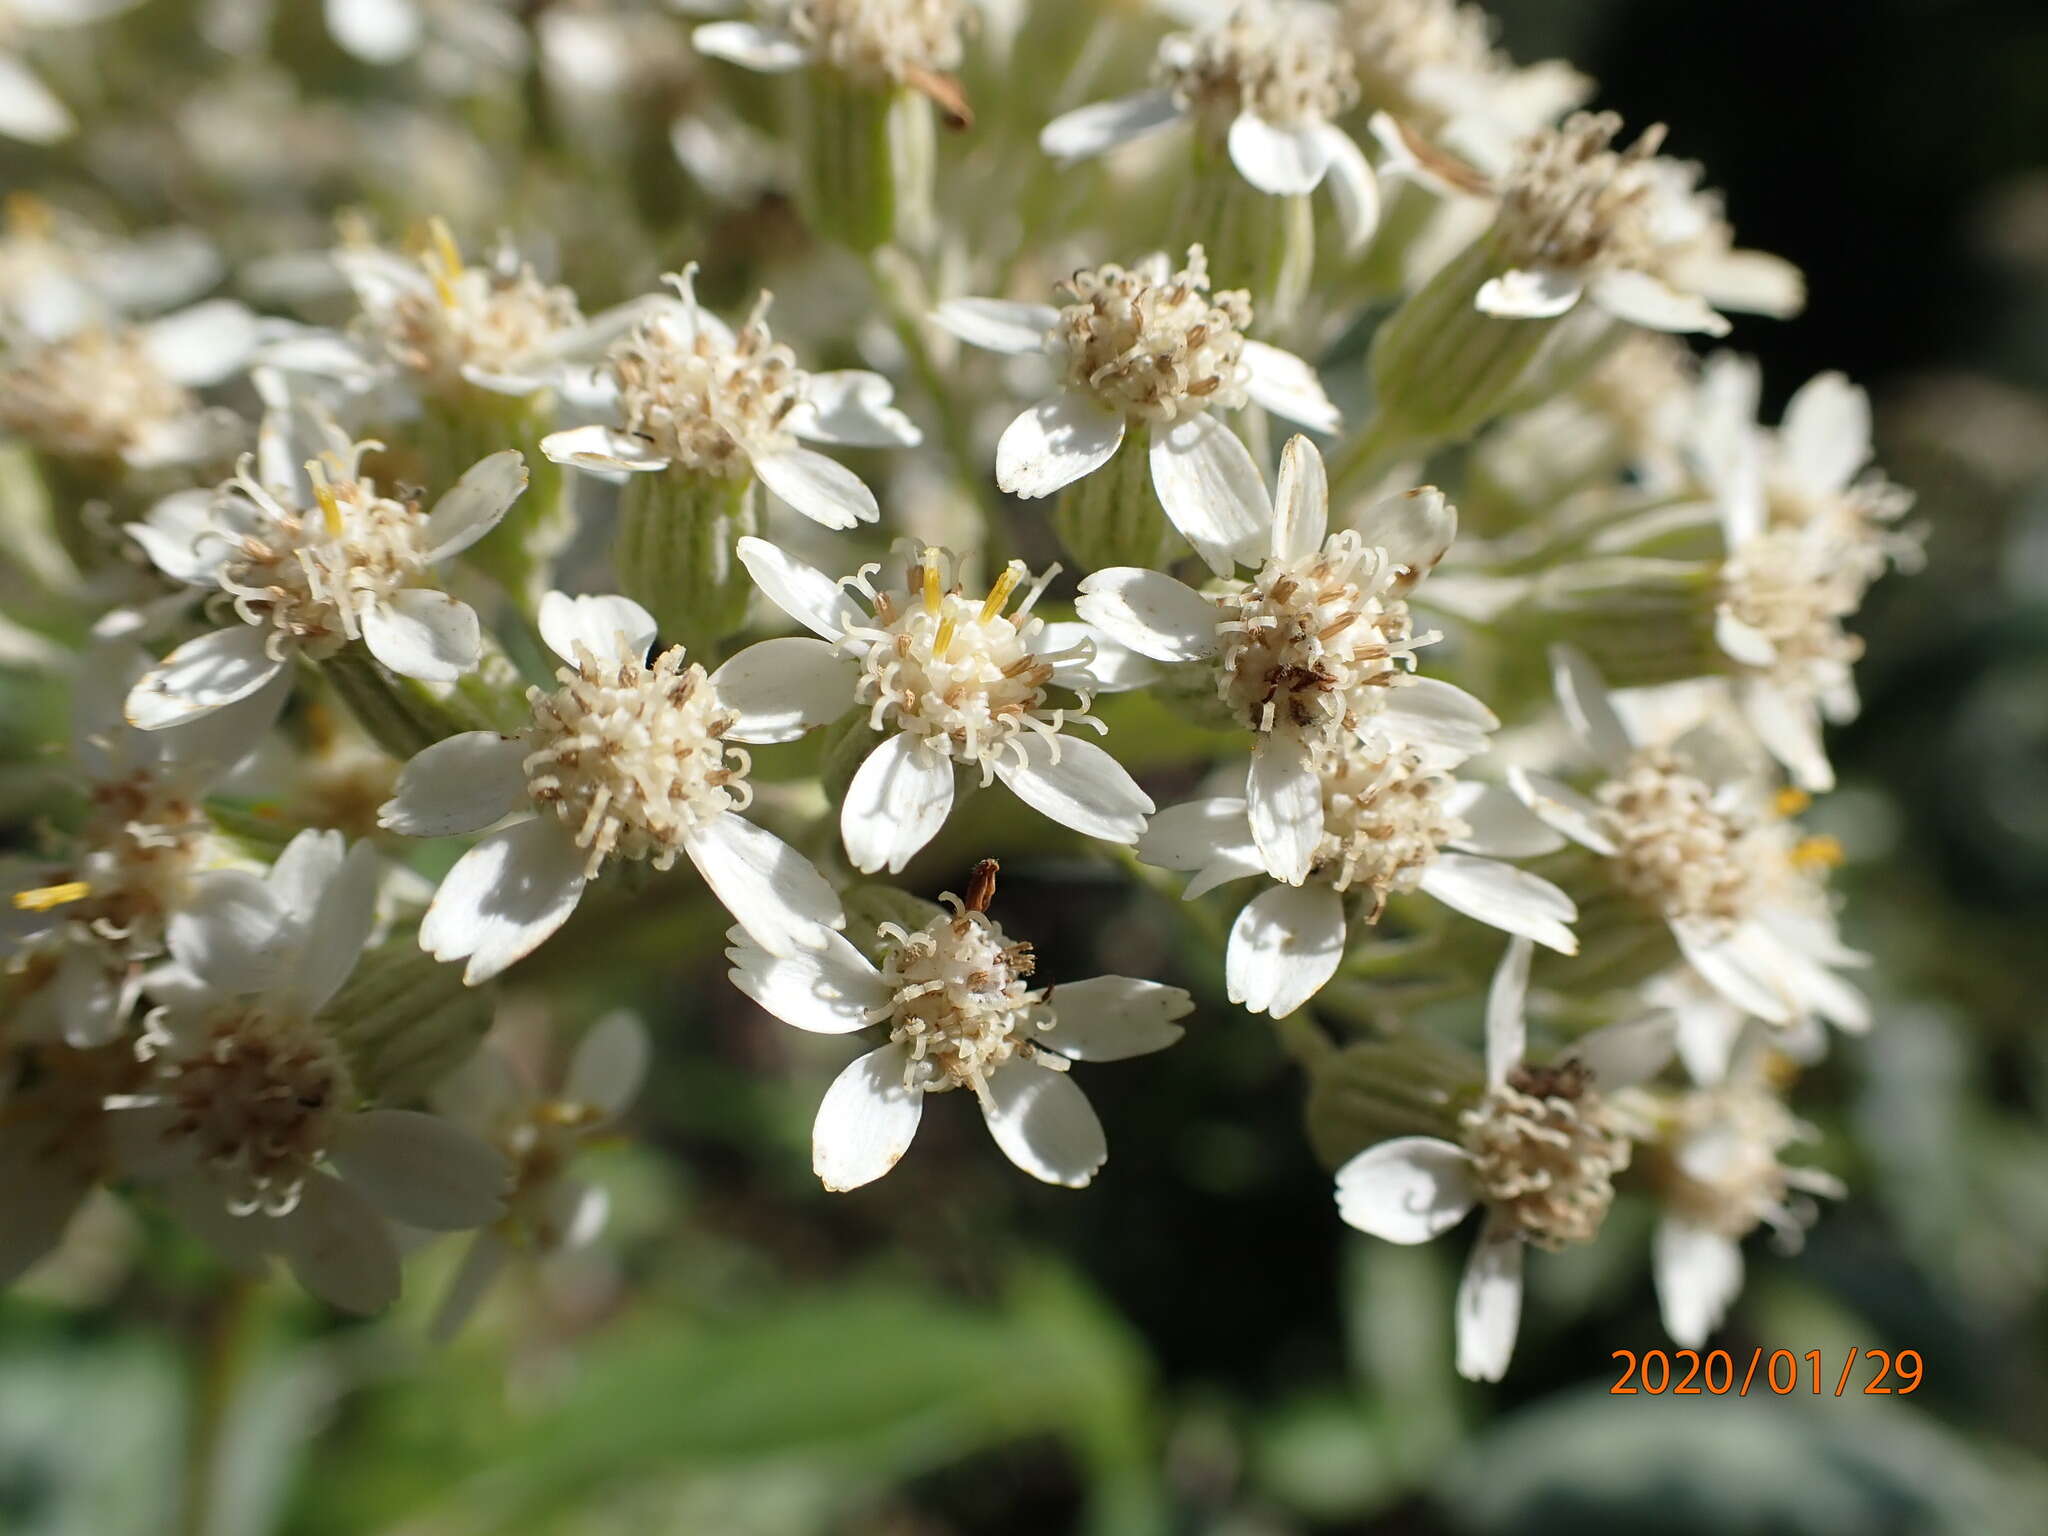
{"x": 1542, "y": 294}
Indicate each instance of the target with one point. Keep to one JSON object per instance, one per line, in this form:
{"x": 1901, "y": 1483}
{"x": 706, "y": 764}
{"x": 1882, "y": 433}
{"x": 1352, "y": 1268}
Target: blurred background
{"x": 1197, "y": 1345}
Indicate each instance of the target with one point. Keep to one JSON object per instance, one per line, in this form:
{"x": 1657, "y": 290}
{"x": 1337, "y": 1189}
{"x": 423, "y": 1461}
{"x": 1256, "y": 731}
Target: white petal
{"x": 1623, "y": 1055}
{"x": 177, "y": 535}
{"x": 1749, "y": 282}
{"x": 771, "y": 890}
{"x": 1284, "y": 802}
{"x": 1354, "y": 189}
{"x": 1588, "y": 708}
{"x": 607, "y": 627}
{"x": 1054, "y": 444}
{"x": 421, "y": 1170}
{"x": 474, "y": 505}
{"x": 1825, "y": 439}
{"x": 802, "y": 591}
{"x": 203, "y": 344}
{"x": 1429, "y": 712}
{"x": 93, "y": 1002}
{"x": 1103, "y": 125}
{"x": 333, "y": 941}
{"x": 1095, "y": 661}
{"x": 1045, "y": 1124}
{"x": 422, "y": 633}
{"x": 1507, "y": 1028}
{"x": 201, "y": 676}
{"x": 823, "y": 489}
{"x": 602, "y": 448}
{"x": 1189, "y": 836}
{"x": 1489, "y": 1308}
{"x": 230, "y": 932}
{"x": 1562, "y": 807}
{"x": 1414, "y": 528}
{"x": 29, "y": 110}
{"x": 1285, "y": 385}
{"x": 504, "y": 897}
{"x": 462, "y": 784}
{"x": 1722, "y": 966}
{"x": 865, "y": 1122}
{"x": 1512, "y": 900}
{"x": 1790, "y": 730}
{"x": 1212, "y": 491}
{"x": 1286, "y": 162}
{"x": 782, "y": 688}
{"x": 1150, "y": 612}
{"x": 610, "y": 1063}
{"x": 299, "y": 876}
{"x": 340, "y": 1248}
{"x": 376, "y": 31}
{"x": 1699, "y": 1275}
{"x": 1742, "y": 641}
{"x": 1112, "y": 1018}
{"x": 1502, "y": 827}
{"x": 1643, "y": 300}
{"x": 852, "y": 407}
{"x": 899, "y": 798}
{"x": 1285, "y": 944}
{"x": 999, "y": 325}
{"x": 1529, "y": 295}
{"x": 1301, "y": 502}
{"x": 1078, "y": 785}
{"x": 830, "y": 990}
{"x": 1407, "y": 1190}
{"x": 751, "y": 47}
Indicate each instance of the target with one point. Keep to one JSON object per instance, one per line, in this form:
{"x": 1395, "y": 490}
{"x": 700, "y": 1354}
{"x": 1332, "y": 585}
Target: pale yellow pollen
{"x": 999, "y": 594}
{"x": 1818, "y": 851}
{"x": 323, "y": 493}
{"x": 45, "y": 898}
{"x": 931, "y": 581}
{"x": 446, "y": 265}
{"x": 1790, "y": 801}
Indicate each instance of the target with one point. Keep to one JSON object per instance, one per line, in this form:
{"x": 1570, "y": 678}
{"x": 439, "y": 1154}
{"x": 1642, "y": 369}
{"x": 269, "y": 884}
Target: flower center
{"x": 481, "y": 317}
{"x": 703, "y": 404}
{"x": 145, "y": 839}
{"x": 1719, "y": 1165}
{"x": 1545, "y": 1151}
{"x": 1574, "y": 202}
{"x": 1797, "y": 586}
{"x": 1154, "y": 349}
{"x": 1406, "y": 51}
{"x": 1281, "y": 62}
{"x": 882, "y": 42}
{"x": 1313, "y": 644}
{"x": 1687, "y": 856}
{"x": 93, "y": 395}
{"x": 310, "y": 573}
{"x": 258, "y": 1102}
{"x": 631, "y": 757}
{"x": 1384, "y": 820}
{"x": 955, "y": 672}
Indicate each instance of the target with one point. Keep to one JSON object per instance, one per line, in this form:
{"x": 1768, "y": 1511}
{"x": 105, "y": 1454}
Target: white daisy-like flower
{"x": 548, "y": 1210}
{"x": 953, "y": 682}
{"x": 124, "y": 394}
{"x": 1708, "y": 852}
{"x": 1267, "y": 79}
{"x": 1317, "y": 649}
{"x": 1807, "y": 531}
{"x": 1538, "y": 1151}
{"x": 955, "y": 998}
{"x": 314, "y": 558}
{"x": 630, "y": 758}
{"x": 692, "y": 395}
{"x": 1625, "y": 230}
{"x": 874, "y": 43}
{"x": 80, "y": 931}
{"x": 1152, "y": 352}
{"x": 249, "y": 1120}
{"x": 29, "y": 110}
{"x": 1715, "y": 1163}
{"x": 59, "y": 275}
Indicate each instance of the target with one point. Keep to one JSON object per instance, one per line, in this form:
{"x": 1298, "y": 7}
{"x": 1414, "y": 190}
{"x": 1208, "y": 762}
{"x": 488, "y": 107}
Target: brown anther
{"x": 981, "y": 885}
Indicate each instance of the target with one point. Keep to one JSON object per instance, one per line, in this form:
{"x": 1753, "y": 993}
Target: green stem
{"x": 222, "y": 1362}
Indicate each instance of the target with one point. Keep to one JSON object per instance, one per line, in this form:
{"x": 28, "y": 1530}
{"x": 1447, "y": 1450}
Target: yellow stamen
{"x": 446, "y": 265}
{"x": 1818, "y": 852}
{"x": 1790, "y": 801}
{"x": 943, "y": 641}
{"x": 563, "y": 1112}
{"x": 931, "y": 581}
{"x": 999, "y": 594}
{"x": 323, "y": 493}
{"x": 45, "y": 897}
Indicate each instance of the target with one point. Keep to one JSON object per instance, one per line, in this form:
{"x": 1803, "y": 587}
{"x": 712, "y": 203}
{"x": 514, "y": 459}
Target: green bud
{"x": 675, "y": 556}
{"x": 455, "y": 431}
{"x": 1254, "y": 240}
{"x": 1113, "y": 516}
{"x": 1364, "y": 1093}
{"x": 405, "y": 716}
{"x": 865, "y": 157}
{"x": 1643, "y": 620}
{"x": 405, "y": 1020}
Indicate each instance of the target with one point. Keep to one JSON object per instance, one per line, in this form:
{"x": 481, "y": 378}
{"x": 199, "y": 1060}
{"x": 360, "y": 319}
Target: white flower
{"x": 692, "y": 395}
{"x": 249, "y": 1119}
{"x": 953, "y": 681}
{"x": 1151, "y": 349}
{"x": 1313, "y": 651}
{"x": 1267, "y": 78}
{"x": 1625, "y": 230}
{"x": 1806, "y": 532}
{"x": 459, "y": 43}
{"x": 122, "y": 394}
{"x": 1539, "y": 1150}
{"x": 312, "y": 562}
{"x": 875, "y": 43}
{"x": 539, "y": 1133}
{"x": 1707, "y": 853}
{"x": 29, "y": 110}
{"x": 628, "y": 758}
{"x": 954, "y": 998}
{"x": 82, "y": 929}
{"x": 59, "y": 275}
{"x": 1715, "y": 1164}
